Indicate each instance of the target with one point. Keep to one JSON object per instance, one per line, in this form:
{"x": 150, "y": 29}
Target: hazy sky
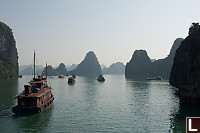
{"x": 65, "y": 30}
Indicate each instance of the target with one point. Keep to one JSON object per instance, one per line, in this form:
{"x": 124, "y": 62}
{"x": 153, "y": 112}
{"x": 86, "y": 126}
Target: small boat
{"x": 71, "y": 80}
{"x": 20, "y": 76}
{"x": 61, "y": 76}
{"x": 156, "y": 78}
{"x": 101, "y": 78}
{"x": 35, "y": 97}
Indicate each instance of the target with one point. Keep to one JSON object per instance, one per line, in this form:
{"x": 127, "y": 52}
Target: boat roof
{"x": 37, "y": 94}
{"x": 38, "y": 80}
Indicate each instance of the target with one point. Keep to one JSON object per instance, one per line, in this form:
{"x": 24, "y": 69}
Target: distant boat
{"x": 36, "y": 96}
{"x": 61, "y": 76}
{"x": 101, "y": 78}
{"x": 71, "y": 80}
{"x": 20, "y": 76}
{"x": 156, "y": 78}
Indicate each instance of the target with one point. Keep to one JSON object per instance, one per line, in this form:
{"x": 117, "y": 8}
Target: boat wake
{"x": 6, "y": 113}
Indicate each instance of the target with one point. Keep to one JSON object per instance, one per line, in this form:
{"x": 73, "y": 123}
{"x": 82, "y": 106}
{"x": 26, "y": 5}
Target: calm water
{"x": 117, "y": 105}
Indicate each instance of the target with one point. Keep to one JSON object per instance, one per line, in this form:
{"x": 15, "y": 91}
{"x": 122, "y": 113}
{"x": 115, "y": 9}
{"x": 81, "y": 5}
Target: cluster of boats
{"x": 71, "y": 79}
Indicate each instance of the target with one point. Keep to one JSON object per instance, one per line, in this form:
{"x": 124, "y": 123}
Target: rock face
{"x": 185, "y": 73}
{"x": 115, "y": 68}
{"x": 89, "y": 66}
{"x": 61, "y": 69}
{"x": 8, "y": 53}
{"x": 141, "y": 67}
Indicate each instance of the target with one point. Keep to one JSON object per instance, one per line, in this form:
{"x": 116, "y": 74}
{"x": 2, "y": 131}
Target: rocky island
{"x": 115, "y": 68}
{"x": 8, "y": 53}
{"x": 141, "y": 67}
{"x": 60, "y": 70}
{"x": 89, "y": 67}
{"x": 185, "y": 72}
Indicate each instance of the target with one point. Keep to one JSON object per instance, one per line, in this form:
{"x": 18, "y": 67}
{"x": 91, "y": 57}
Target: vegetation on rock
{"x": 8, "y": 53}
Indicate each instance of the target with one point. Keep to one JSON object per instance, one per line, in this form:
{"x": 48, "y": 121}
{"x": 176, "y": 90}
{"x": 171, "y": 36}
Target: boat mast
{"x": 46, "y": 70}
{"x": 34, "y": 64}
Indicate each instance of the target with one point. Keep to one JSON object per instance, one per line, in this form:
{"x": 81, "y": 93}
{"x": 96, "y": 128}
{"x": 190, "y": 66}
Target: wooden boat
{"x": 71, "y": 80}
{"x": 101, "y": 78}
{"x": 156, "y": 78}
{"x": 36, "y": 96}
{"x": 61, "y": 76}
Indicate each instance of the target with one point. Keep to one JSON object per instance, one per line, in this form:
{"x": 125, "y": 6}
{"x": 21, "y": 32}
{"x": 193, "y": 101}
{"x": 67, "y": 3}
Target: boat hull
{"x": 29, "y": 110}
{"x": 101, "y": 80}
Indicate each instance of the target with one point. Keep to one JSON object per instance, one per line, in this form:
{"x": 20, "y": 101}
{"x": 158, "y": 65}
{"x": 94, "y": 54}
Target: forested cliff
{"x": 8, "y": 53}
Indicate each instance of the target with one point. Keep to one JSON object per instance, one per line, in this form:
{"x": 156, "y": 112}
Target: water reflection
{"x": 152, "y": 103}
{"x": 90, "y": 92}
{"x": 138, "y": 92}
{"x": 9, "y": 89}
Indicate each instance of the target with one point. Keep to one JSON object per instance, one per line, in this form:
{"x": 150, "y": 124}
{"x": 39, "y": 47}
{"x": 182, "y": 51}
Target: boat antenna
{"x": 46, "y": 70}
{"x": 34, "y": 64}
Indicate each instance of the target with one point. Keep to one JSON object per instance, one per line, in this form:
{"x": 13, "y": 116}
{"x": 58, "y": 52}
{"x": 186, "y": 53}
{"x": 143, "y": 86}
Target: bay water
{"x": 116, "y": 105}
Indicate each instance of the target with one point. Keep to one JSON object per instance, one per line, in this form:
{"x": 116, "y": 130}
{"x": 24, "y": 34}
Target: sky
{"x": 65, "y": 30}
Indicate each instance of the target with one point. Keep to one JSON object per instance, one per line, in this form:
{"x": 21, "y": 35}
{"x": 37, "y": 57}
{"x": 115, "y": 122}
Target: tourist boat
{"x": 36, "y": 97}
{"x": 156, "y": 78}
{"x": 71, "y": 80}
{"x": 101, "y": 78}
{"x": 61, "y": 76}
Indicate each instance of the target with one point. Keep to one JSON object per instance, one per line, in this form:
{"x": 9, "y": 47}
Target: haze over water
{"x": 117, "y": 105}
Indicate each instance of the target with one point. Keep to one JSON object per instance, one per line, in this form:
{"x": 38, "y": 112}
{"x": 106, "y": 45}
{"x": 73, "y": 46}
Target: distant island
{"x": 185, "y": 73}
{"x": 141, "y": 66}
{"x": 8, "y": 53}
{"x": 115, "y": 68}
{"x": 71, "y": 67}
{"x": 60, "y": 70}
{"x": 28, "y": 69}
{"x": 89, "y": 67}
